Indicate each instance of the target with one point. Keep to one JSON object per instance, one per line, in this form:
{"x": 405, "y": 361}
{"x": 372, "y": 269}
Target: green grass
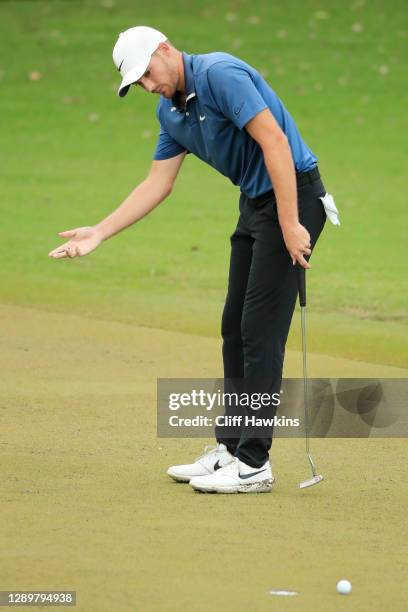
{"x": 87, "y": 504}
{"x": 61, "y": 170}
{"x": 86, "y": 501}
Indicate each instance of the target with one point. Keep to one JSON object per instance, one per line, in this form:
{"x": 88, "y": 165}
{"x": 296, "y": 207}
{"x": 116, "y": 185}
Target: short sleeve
{"x": 166, "y": 146}
{"x": 234, "y": 92}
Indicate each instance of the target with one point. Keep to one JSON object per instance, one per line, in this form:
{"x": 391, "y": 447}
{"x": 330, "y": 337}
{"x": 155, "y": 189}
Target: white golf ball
{"x": 344, "y": 587}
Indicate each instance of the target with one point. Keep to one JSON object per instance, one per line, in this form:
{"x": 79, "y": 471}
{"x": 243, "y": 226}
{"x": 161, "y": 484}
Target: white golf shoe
{"x": 212, "y": 460}
{"x": 236, "y": 477}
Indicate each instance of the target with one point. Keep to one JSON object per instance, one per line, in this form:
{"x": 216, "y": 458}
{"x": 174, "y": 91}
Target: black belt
{"x": 302, "y": 178}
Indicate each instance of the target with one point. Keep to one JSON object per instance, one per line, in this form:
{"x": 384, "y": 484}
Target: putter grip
{"x": 301, "y": 284}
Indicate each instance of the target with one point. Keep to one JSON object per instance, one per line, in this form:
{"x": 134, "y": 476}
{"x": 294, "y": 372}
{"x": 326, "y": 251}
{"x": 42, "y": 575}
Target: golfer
{"x": 220, "y": 109}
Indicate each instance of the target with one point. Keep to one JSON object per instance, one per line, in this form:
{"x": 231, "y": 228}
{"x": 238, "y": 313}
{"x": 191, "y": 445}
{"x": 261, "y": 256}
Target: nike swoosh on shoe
{"x": 245, "y": 476}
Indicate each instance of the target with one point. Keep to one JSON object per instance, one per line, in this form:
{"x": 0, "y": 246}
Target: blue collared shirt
{"x": 223, "y": 93}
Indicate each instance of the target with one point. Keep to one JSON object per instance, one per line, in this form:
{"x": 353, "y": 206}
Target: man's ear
{"x": 164, "y": 48}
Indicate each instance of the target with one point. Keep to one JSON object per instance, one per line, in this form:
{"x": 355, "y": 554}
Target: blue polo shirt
{"x": 223, "y": 93}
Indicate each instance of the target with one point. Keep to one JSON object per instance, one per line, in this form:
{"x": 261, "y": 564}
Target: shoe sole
{"x": 264, "y": 486}
{"x": 184, "y": 479}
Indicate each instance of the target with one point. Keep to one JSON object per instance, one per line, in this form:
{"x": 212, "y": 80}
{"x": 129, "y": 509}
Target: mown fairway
{"x": 73, "y": 150}
{"x": 86, "y": 502}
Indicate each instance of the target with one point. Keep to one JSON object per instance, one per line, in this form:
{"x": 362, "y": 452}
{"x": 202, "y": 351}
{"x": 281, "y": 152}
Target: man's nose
{"x": 147, "y": 84}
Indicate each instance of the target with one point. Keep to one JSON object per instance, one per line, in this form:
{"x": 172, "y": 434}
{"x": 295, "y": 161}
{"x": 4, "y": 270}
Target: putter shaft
{"x": 305, "y": 392}
{"x": 316, "y": 478}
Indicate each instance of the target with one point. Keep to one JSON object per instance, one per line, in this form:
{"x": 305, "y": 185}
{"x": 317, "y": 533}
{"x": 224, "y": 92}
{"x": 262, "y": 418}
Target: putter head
{"x": 311, "y": 482}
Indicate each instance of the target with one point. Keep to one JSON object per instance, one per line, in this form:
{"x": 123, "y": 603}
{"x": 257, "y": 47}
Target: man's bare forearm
{"x": 277, "y": 154}
{"x": 279, "y": 164}
{"x": 146, "y": 196}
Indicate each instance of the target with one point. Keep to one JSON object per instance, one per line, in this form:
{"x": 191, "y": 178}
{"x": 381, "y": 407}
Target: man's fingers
{"x": 70, "y": 233}
{"x": 58, "y": 254}
{"x": 303, "y": 261}
{"x": 73, "y": 251}
{"x": 60, "y": 249}
{"x": 66, "y": 250}
{"x": 298, "y": 257}
{"x": 57, "y": 251}
{"x": 301, "y": 252}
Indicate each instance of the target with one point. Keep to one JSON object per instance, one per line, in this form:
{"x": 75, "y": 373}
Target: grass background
{"x": 72, "y": 151}
{"x": 86, "y": 501}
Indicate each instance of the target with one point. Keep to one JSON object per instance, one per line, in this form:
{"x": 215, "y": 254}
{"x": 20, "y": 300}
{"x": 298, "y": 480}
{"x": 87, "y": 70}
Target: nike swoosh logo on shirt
{"x": 244, "y": 476}
{"x": 202, "y": 118}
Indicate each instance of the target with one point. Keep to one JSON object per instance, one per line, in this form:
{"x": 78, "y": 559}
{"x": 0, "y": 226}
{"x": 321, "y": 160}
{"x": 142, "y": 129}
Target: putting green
{"x": 87, "y": 505}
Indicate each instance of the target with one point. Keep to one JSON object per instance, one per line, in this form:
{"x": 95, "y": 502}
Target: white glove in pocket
{"x": 330, "y": 208}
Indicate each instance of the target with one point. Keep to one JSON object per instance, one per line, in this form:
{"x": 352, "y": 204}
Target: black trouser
{"x": 261, "y": 298}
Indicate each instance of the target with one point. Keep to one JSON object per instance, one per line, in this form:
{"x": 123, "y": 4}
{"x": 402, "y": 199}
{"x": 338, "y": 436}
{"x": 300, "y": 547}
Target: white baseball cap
{"x": 132, "y": 53}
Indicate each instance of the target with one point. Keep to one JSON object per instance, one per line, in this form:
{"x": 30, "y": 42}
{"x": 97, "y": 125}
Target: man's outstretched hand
{"x": 82, "y": 241}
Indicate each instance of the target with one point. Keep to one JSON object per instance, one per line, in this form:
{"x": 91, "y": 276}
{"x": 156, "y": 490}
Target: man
{"x": 222, "y": 110}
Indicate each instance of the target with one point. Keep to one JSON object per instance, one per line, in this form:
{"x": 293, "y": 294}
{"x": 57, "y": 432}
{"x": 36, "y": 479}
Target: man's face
{"x": 161, "y": 76}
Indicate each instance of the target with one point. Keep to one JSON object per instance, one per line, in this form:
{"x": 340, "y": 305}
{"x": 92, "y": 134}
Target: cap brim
{"x": 132, "y": 76}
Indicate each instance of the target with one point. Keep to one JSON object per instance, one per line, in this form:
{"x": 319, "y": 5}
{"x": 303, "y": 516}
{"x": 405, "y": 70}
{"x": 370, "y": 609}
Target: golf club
{"x": 316, "y": 478}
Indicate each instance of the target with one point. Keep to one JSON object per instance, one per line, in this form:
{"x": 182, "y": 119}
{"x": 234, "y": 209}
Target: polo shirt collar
{"x": 188, "y": 80}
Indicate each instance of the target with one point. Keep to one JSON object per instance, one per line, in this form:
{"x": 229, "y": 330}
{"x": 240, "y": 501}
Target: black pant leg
{"x": 268, "y": 308}
{"x": 232, "y": 349}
